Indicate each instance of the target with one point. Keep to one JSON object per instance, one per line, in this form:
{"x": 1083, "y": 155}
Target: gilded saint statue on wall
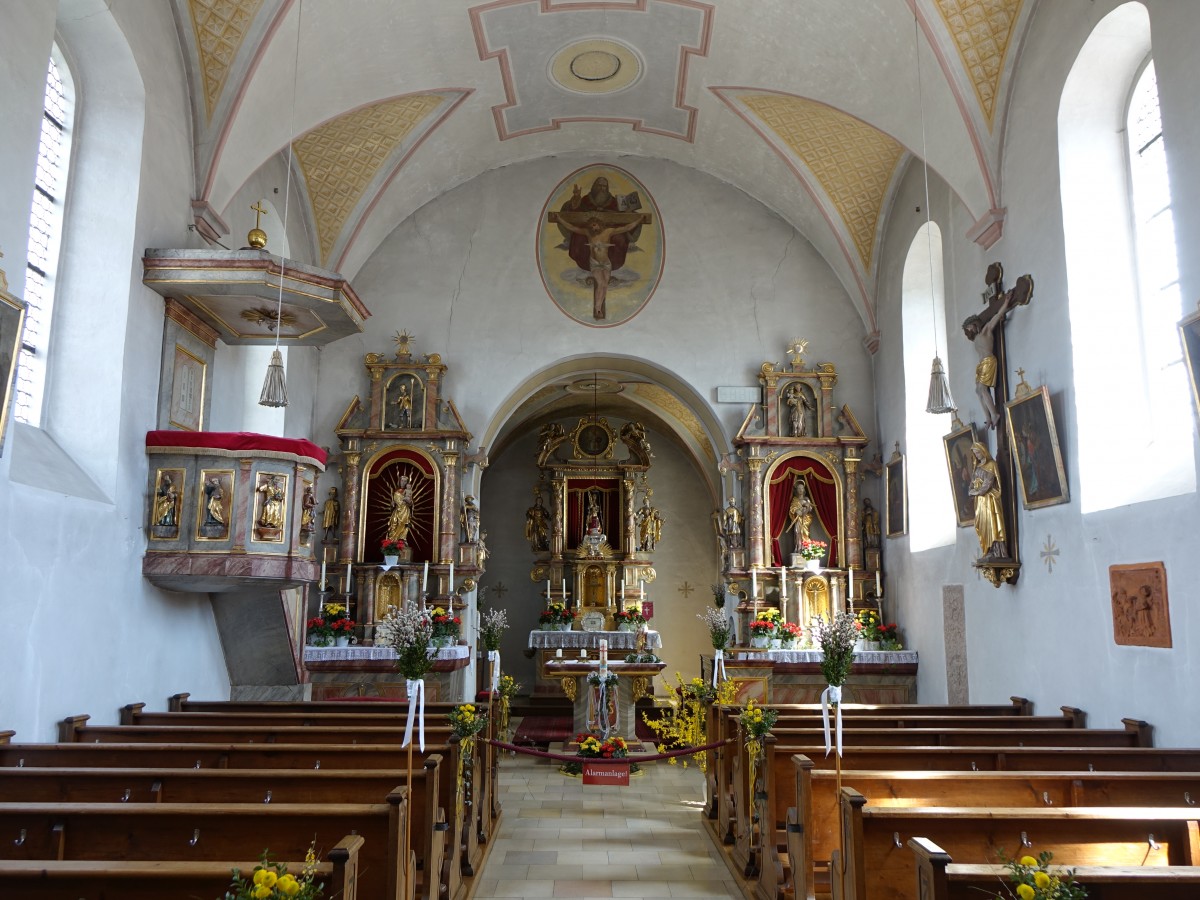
{"x": 537, "y": 524}
{"x": 989, "y": 512}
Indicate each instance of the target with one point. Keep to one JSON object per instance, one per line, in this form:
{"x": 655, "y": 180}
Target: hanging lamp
{"x": 940, "y": 400}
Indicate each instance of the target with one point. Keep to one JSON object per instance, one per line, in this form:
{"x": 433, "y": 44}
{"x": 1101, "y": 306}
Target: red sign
{"x": 647, "y": 610}
{"x": 597, "y": 771}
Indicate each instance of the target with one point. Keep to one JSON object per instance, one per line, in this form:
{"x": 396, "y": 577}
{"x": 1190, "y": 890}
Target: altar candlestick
{"x": 348, "y": 567}
{"x": 425, "y": 578}
{"x": 878, "y": 589}
{"x": 322, "y": 574}
{"x": 603, "y": 653}
{"x": 754, "y": 583}
{"x": 450, "y": 590}
{"x": 558, "y": 653}
{"x": 583, "y": 653}
{"x": 547, "y": 593}
{"x": 783, "y": 582}
{"x": 850, "y": 572}
{"x": 622, "y": 591}
{"x": 564, "y": 587}
{"x": 643, "y": 589}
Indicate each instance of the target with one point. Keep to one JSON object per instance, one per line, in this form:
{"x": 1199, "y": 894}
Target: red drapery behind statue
{"x": 822, "y": 488}
{"x": 608, "y": 492}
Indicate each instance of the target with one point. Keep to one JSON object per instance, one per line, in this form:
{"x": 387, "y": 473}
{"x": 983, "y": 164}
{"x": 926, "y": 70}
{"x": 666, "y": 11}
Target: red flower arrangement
{"x": 342, "y": 626}
{"x": 445, "y": 624}
{"x": 592, "y": 747}
{"x": 392, "y": 548}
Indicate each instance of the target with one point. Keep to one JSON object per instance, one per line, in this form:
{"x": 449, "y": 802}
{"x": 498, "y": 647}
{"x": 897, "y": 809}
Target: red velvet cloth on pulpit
{"x": 822, "y": 488}
{"x": 236, "y": 441}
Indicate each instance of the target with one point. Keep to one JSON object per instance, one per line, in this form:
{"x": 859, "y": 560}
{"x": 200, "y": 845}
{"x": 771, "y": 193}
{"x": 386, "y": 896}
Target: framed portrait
{"x": 960, "y": 465}
{"x": 12, "y": 325}
{"x": 1035, "y": 449}
{"x": 896, "y": 487}
{"x": 1189, "y": 338}
{"x": 1141, "y": 615}
{"x": 187, "y": 391}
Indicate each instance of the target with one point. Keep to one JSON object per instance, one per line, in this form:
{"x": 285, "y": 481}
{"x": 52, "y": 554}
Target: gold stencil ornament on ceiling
{"x": 220, "y": 27}
{"x": 852, "y": 161}
{"x": 340, "y": 157}
{"x": 668, "y": 402}
{"x": 982, "y": 30}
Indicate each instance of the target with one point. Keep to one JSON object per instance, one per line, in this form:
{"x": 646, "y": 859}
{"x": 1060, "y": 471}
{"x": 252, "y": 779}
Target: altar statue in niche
{"x": 731, "y": 526}
{"x": 650, "y": 523}
{"x": 799, "y": 406}
{"x": 870, "y": 525}
{"x": 989, "y": 514}
{"x": 402, "y": 509}
{"x": 800, "y": 514}
{"x": 469, "y": 519}
{"x": 403, "y": 403}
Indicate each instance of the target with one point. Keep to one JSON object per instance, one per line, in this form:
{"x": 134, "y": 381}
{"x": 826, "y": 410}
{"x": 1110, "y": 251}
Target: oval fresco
{"x": 600, "y": 246}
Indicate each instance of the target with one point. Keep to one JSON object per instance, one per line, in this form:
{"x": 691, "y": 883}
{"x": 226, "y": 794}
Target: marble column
{"x": 558, "y": 488}
{"x": 853, "y": 553}
{"x": 754, "y": 512}
{"x": 350, "y": 501}
{"x": 448, "y": 538}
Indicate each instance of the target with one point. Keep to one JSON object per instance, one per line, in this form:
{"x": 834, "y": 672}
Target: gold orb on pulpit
{"x": 256, "y": 238}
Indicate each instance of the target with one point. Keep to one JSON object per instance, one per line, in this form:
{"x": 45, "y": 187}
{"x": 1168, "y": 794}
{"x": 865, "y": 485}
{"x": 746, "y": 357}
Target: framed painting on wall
{"x": 896, "y": 486}
{"x": 1035, "y": 448}
{"x": 960, "y": 463}
{"x": 1189, "y": 338}
{"x": 12, "y": 324}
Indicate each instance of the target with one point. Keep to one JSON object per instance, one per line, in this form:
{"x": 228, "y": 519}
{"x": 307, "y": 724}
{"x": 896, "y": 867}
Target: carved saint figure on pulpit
{"x": 166, "y": 504}
{"x": 989, "y": 514}
{"x": 271, "y": 515}
{"x": 800, "y": 513}
{"x": 214, "y": 504}
{"x": 308, "y": 505}
{"x": 402, "y": 510}
{"x": 537, "y": 530}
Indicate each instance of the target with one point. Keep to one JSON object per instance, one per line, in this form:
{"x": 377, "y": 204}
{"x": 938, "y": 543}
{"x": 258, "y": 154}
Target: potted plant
{"x": 718, "y": 626}
{"x": 630, "y": 618}
{"x": 331, "y": 626}
{"x": 889, "y": 637}
{"x": 391, "y": 552}
{"x": 762, "y": 630}
{"x": 319, "y": 632}
{"x": 868, "y": 629}
{"x": 556, "y": 617}
{"x": 343, "y": 631}
{"x": 446, "y": 627}
{"x": 790, "y": 635}
{"x": 812, "y": 551}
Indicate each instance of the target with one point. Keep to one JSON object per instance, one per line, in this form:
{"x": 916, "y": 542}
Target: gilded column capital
{"x": 352, "y": 458}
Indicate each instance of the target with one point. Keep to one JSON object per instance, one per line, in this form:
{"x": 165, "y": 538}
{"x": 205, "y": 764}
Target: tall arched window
{"x": 931, "y": 520}
{"x": 45, "y": 231}
{"x": 1123, "y": 293}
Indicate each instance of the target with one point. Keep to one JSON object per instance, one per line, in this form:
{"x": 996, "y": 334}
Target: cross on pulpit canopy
{"x": 259, "y": 212}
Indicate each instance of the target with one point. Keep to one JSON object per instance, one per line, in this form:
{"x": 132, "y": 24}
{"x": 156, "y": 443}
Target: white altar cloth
{"x": 355, "y": 653}
{"x": 882, "y": 657}
{"x": 578, "y": 640}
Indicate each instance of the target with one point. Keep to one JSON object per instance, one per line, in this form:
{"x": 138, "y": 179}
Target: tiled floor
{"x": 560, "y": 839}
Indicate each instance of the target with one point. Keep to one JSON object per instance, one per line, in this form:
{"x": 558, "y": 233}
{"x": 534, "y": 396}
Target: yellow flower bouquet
{"x": 272, "y": 881}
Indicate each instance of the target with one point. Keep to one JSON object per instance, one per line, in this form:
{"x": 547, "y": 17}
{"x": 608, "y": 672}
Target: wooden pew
{"x": 157, "y": 879}
{"x": 812, "y": 815}
{"x": 182, "y": 702}
{"x": 875, "y": 864}
{"x": 214, "y": 832}
{"x": 438, "y": 835}
{"x": 942, "y": 879}
{"x": 76, "y": 730}
{"x": 1135, "y": 734}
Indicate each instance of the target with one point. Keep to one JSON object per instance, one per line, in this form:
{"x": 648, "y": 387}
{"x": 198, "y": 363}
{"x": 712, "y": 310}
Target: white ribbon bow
{"x": 832, "y": 694}
{"x": 718, "y": 666}
{"x": 416, "y": 707}
{"x": 494, "y": 660}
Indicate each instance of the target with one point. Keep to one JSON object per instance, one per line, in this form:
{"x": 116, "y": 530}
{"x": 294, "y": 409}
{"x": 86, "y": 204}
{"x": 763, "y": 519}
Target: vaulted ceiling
{"x": 810, "y": 106}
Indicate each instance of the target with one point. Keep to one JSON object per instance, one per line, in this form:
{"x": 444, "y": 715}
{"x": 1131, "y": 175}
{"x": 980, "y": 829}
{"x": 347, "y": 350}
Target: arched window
{"x": 931, "y": 520}
{"x": 1131, "y": 396}
{"x": 45, "y": 231}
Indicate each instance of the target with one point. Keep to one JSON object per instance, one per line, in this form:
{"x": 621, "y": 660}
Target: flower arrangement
{"x": 756, "y": 720}
{"x": 811, "y": 549}
{"x": 1034, "y": 881}
{"x": 319, "y": 630}
{"x": 609, "y": 680}
{"x": 556, "y": 614}
{"x": 272, "y": 881}
{"x": 683, "y": 722}
{"x": 718, "y": 592}
{"x": 718, "y": 626}
{"x": 630, "y": 615}
{"x": 791, "y": 632}
{"x": 343, "y": 627}
{"x": 509, "y": 688}
{"x": 593, "y": 747}
{"x": 836, "y": 640}
{"x": 492, "y": 625}
{"x": 868, "y": 624}
{"x": 331, "y": 623}
{"x": 465, "y": 720}
{"x": 392, "y": 548}
{"x": 762, "y": 628}
{"x": 889, "y": 636}
{"x": 408, "y": 631}
{"x": 445, "y": 624}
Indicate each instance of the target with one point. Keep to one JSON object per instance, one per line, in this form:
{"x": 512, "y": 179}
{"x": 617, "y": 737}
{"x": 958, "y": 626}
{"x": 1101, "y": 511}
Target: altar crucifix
{"x": 992, "y": 483}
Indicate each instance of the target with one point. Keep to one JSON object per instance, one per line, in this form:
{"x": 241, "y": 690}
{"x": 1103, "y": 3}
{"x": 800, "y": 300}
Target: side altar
{"x": 794, "y": 676}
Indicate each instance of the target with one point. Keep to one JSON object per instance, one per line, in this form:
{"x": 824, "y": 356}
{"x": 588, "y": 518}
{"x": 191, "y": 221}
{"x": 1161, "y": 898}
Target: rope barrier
{"x": 562, "y": 757}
